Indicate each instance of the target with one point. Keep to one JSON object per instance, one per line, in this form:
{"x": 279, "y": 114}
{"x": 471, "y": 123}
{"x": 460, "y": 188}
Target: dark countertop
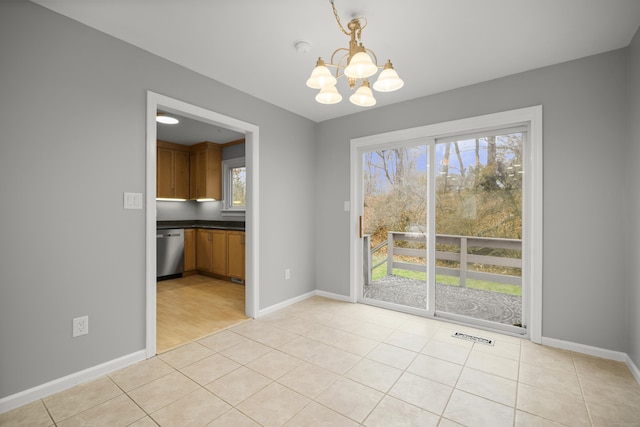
{"x": 220, "y": 225}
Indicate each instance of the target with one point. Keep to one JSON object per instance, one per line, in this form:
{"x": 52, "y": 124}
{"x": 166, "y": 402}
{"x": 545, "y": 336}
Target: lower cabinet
{"x": 219, "y": 243}
{"x": 189, "y": 250}
{"x": 204, "y": 250}
{"x": 235, "y": 254}
{"x": 220, "y": 252}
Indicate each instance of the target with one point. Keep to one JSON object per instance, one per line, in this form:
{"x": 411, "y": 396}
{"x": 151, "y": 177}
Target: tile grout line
{"x": 515, "y": 404}
{"x": 584, "y": 398}
{"x": 48, "y": 412}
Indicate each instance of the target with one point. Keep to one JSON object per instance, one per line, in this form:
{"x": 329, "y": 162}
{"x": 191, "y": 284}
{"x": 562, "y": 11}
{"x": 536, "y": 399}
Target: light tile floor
{"x": 329, "y": 363}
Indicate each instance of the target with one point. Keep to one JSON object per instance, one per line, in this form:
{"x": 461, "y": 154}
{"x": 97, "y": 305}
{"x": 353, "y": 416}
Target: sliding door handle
{"x": 361, "y": 226}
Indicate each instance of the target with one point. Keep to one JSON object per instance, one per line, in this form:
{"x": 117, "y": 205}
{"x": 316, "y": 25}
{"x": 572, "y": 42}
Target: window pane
{"x": 479, "y": 227}
{"x": 239, "y": 186}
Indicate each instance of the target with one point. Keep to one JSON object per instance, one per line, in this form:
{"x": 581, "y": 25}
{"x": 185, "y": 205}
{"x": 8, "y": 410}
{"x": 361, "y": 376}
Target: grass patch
{"x": 503, "y": 288}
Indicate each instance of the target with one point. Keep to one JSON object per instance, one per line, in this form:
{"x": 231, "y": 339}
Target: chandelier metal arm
{"x": 341, "y": 49}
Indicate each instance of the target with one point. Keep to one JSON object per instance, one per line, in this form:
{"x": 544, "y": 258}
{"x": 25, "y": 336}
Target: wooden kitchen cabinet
{"x": 204, "y": 250}
{"x": 219, "y": 242}
{"x": 220, "y": 252}
{"x": 206, "y": 171}
{"x": 189, "y": 250}
{"x": 172, "y": 171}
{"x": 235, "y": 254}
{"x": 211, "y": 251}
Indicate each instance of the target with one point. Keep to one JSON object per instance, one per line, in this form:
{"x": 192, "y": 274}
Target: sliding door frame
{"x": 429, "y": 144}
{"x": 532, "y": 208}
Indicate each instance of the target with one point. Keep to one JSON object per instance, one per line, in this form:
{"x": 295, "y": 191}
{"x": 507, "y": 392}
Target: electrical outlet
{"x": 287, "y": 274}
{"x": 80, "y": 326}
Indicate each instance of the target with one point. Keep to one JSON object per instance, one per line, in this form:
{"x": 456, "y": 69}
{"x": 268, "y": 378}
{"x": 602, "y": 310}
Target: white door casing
{"x": 157, "y": 101}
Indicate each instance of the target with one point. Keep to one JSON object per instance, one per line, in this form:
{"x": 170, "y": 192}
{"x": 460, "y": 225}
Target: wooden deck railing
{"x": 463, "y": 257}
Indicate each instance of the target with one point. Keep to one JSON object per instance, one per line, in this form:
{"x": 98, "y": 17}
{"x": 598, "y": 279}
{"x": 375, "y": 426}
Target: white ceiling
{"x": 189, "y": 132}
{"x": 435, "y": 45}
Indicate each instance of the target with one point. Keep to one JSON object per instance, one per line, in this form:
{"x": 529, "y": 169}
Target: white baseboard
{"x": 618, "y": 356}
{"x": 283, "y": 304}
{"x": 633, "y": 368}
{"x": 302, "y": 297}
{"x": 31, "y": 395}
{"x": 338, "y": 297}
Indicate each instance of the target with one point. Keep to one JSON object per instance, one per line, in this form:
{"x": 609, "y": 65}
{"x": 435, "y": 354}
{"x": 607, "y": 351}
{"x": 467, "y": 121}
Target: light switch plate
{"x": 347, "y": 206}
{"x": 133, "y": 200}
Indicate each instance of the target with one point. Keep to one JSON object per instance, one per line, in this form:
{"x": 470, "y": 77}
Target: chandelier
{"x": 357, "y": 66}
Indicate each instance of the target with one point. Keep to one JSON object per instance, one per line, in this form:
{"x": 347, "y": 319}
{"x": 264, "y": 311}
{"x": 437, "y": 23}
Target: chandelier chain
{"x": 335, "y": 13}
{"x": 347, "y": 33}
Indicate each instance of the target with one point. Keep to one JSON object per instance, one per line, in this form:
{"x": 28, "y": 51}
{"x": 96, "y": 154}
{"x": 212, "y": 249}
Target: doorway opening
{"x": 156, "y": 102}
{"x": 448, "y": 221}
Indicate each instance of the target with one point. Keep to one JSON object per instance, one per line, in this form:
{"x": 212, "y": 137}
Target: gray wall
{"x": 585, "y": 144}
{"x": 72, "y": 129}
{"x": 233, "y": 151}
{"x": 633, "y": 160}
{"x": 176, "y": 211}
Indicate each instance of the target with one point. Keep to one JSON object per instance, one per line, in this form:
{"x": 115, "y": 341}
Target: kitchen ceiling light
{"x": 167, "y": 120}
{"x": 355, "y": 64}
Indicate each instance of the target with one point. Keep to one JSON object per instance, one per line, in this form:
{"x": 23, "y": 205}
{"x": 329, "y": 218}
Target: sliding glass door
{"x": 442, "y": 226}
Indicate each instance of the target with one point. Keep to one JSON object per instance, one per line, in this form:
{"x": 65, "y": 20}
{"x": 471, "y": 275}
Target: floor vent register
{"x": 479, "y": 340}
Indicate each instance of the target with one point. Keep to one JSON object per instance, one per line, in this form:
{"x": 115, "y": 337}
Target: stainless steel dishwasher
{"x": 169, "y": 253}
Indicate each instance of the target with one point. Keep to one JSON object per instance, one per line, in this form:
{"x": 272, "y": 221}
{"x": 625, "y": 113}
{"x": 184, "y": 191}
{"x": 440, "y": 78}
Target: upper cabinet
{"x": 206, "y": 171}
{"x": 172, "y": 171}
{"x": 193, "y": 172}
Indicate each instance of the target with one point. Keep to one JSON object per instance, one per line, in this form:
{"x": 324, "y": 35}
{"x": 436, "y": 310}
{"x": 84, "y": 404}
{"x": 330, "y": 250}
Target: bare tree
{"x": 445, "y": 166}
{"x": 462, "y": 169}
{"x": 491, "y": 151}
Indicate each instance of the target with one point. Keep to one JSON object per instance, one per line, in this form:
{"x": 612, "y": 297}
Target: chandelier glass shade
{"x": 363, "y": 96}
{"x": 356, "y": 65}
{"x": 360, "y": 66}
{"x": 328, "y": 95}
{"x": 321, "y": 77}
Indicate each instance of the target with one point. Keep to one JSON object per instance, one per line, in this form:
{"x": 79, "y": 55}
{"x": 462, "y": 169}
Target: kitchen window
{"x": 234, "y": 180}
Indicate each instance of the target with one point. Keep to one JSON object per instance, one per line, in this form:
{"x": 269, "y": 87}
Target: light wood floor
{"x": 192, "y": 307}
